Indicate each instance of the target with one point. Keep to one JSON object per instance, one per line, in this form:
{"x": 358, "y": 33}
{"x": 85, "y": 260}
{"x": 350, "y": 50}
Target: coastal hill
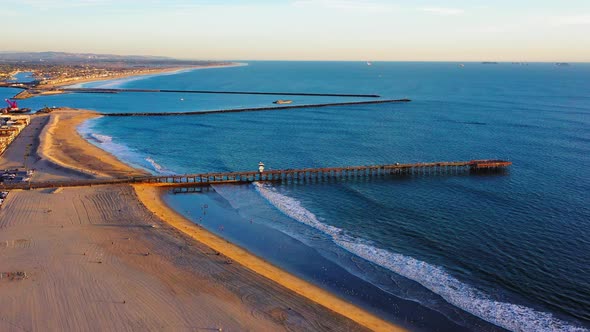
{"x": 79, "y": 58}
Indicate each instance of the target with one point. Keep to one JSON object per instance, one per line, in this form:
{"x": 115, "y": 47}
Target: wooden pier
{"x": 287, "y": 175}
{"x": 310, "y": 174}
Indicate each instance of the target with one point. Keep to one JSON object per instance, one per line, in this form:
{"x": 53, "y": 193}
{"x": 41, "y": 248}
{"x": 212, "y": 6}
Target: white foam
{"x": 119, "y": 150}
{"x": 105, "y": 142}
{"x": 119, "y": 82}
{"x": 101, "y": 138}
{"x": 157, "y": 167}
{"x": 511, "y": 316}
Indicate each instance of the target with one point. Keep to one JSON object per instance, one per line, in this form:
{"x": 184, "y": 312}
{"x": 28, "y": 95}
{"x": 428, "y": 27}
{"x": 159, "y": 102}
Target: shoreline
{"x": 54, "y": 88}
{"x": 148, "y": 73}
{"x": 66, "y": 153}
{"x": 62, "y": 144}
{"x": 145, "y": 72}
{"x": 151, "y": 198}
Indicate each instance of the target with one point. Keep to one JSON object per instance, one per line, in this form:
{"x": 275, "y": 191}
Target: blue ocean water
{"x": 6, "y": 93}
{"x": 23, "y": 77}
{"x": 476, "y": 252}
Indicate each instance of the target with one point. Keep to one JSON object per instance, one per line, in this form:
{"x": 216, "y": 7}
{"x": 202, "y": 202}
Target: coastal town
{"x": 10, "y": 127}
{"x": 50, "y": 70}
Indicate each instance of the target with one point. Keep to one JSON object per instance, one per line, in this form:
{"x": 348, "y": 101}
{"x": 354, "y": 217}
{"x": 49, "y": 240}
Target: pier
{"x": 257, "y": 109}
{"x": 287, "y": 175}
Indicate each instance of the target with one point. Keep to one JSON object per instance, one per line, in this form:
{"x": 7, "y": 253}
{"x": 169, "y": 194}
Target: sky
{"x": 362, "y": 30}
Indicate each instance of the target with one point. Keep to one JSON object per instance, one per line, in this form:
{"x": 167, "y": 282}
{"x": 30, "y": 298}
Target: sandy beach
{"x": 63, "y": 145}
{"x": 117, "y": 258}
{"x": 142, "y": 72}
{"x": 53, "y": 88}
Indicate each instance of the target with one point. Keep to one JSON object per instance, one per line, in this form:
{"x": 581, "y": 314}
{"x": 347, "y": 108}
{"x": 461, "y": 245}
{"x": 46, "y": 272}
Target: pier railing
{"x": 286, "y": 175}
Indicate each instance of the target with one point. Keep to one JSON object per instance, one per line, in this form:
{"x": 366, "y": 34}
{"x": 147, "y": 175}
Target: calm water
{"x": 23, "y": 77}
{"x": 438, "y": 252}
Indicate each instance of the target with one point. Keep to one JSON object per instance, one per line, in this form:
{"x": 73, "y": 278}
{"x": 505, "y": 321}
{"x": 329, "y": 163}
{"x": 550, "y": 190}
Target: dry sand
{"x": 85, "y": 251}
{"x": 23, "y": 152}
{"x": 94, "y": 261}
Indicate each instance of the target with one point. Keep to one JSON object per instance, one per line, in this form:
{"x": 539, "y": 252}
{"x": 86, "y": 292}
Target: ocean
{"x": 446, "y": 253}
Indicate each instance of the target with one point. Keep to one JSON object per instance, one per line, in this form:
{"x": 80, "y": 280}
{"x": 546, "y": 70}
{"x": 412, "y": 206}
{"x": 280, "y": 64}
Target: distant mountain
{"x": 64, "y": 57}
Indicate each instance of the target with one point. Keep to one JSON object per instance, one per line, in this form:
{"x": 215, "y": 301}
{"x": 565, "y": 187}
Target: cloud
{"x": 117, "y": 6}
{"x": 443, "y": 11}
{"x": 572, "y": 20}
{"x": 358, "y": 5}
{"x": 45, "y": 5}
{"x": 9, "y": 12}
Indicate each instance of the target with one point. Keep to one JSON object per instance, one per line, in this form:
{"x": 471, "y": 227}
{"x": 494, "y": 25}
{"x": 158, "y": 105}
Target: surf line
{"x": 257, "y": 109}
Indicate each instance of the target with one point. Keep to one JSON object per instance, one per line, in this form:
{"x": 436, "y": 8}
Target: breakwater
{"x": 100, "y": 90}
{"x": 256, "y": 109}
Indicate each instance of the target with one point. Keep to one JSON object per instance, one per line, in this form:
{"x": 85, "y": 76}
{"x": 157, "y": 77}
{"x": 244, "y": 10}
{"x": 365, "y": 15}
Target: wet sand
{"x": 151, "y": 197}
{"x": 97, "y": 259}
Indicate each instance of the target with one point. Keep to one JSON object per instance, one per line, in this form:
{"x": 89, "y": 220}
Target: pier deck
{"x": 287, "y": 175}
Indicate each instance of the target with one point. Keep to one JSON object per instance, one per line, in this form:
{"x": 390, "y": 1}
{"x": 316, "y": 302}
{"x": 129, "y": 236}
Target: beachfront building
{"x": 10, "y": 127}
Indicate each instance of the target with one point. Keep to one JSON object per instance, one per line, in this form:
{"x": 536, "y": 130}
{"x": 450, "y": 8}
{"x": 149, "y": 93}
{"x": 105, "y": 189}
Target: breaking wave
{"x": 511, "y": 316}
{"x": 101, "y": 138}
{"x": 116, "y": 83}
{"x": 121, "y": 151}
{"x": 157, "y": 167}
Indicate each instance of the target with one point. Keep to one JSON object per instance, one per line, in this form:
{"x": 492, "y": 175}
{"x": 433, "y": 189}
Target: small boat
{"x": 282, "y": 101}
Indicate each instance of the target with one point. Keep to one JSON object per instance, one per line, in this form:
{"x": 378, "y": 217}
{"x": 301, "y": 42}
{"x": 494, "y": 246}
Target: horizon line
{"x": 303, "y": 60}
